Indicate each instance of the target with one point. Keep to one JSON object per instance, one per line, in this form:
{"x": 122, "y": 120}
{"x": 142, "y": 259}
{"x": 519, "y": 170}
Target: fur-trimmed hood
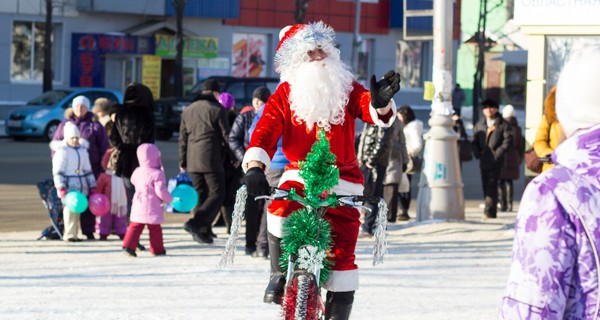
{"x": 61, "y": 144}
{"x": 550, "y": 106}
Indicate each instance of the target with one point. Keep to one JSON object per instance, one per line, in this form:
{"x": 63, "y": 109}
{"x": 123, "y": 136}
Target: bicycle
{"x": 307, "y": 234}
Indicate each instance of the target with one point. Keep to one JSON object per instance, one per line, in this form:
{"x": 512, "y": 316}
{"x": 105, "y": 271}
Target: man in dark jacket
{"x": 492, "y": 137}
{"x": 203, "y": 135}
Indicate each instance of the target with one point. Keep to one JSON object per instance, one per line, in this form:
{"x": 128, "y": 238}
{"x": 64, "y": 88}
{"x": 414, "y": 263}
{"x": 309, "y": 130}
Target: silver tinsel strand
{"x": 380, "y": 249}
{"x": 236, "y": 223}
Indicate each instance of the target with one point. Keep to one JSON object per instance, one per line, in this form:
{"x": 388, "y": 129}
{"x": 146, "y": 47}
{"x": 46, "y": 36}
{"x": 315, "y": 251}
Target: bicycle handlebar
{"x": 346, "y": 200}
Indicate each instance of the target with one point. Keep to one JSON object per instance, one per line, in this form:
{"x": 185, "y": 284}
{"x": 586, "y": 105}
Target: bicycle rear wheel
{"x": 301, "y": 298}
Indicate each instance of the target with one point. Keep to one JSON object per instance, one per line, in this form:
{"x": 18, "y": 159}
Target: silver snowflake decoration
{"x": 310, "y": 258}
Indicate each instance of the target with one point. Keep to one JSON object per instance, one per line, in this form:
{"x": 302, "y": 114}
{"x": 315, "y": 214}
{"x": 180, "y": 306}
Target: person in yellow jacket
{"x": 549, "y": 134}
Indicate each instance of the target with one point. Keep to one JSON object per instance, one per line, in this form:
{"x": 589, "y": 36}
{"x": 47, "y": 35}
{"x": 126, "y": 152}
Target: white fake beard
{"x": 319, "y": 92}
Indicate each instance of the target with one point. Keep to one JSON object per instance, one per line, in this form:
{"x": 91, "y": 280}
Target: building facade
{"x": 104, "y": 43}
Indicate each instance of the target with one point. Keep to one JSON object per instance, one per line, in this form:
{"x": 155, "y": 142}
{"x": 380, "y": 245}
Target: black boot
{"x": 338, "y": 305}
{"x": 509, "y": 195}
{"x": 276, "y": 286}
{"x": 502, "y": 195}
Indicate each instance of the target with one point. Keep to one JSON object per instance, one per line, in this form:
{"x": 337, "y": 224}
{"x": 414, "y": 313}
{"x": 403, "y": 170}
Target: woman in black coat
{"x": 133, "y": 126}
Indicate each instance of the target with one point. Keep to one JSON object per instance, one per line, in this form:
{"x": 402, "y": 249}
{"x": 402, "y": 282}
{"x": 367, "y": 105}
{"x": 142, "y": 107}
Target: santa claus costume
{"x": 317, "y": 94}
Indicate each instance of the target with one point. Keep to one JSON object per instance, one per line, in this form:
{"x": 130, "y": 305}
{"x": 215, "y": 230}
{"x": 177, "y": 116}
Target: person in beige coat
{"x": 398, "y": 160}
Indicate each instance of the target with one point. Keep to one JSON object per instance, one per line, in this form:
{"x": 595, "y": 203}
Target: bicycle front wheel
{"x": 301, "y": 299}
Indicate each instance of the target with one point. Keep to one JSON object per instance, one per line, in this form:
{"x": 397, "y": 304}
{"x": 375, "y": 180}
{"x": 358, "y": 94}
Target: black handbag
{"x": 415, "y": 164}
{"x": 464, "y": 151}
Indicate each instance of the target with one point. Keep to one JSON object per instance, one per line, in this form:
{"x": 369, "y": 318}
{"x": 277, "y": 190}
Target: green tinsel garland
{"x": 302, "y": 227}
{"x": 320, "y": 174}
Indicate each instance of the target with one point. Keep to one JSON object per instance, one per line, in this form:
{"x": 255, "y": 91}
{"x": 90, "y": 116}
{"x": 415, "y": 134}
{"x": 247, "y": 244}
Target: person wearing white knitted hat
{"x": 71, "y": 171}
{"x": 554, "y": 274}
{"x": 317, "y": 92}
{"x": 94, "y": 133}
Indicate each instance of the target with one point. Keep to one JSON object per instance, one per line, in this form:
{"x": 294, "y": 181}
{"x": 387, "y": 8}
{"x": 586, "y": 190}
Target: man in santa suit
{"x": 317, "y": 91}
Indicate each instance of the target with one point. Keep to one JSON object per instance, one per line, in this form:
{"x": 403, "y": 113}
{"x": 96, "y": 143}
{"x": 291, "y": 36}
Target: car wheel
{"x": 51, "y": 130}
{"x": 163, "y": 134}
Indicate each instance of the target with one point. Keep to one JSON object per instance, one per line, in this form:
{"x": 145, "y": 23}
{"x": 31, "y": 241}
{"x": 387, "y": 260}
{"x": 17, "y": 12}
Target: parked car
{"x": 41, "y": 115}
{"x": 167, "y": 113}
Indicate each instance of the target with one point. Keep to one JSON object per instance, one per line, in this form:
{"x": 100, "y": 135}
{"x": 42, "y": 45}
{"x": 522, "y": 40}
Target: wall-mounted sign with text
{"x": 193, "y": 47}
{"x": 557, "y": 12}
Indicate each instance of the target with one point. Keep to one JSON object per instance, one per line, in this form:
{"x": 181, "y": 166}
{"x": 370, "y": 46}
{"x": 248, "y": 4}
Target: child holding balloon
{"x": 114, "y": 216}
{"x": 146, "y": 209}
{"x": 72, "y": 173}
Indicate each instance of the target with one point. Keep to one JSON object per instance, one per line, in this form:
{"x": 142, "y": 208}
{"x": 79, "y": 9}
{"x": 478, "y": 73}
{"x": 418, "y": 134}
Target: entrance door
{"x": 167, "y": 78}
{"x": 120, "y": 71}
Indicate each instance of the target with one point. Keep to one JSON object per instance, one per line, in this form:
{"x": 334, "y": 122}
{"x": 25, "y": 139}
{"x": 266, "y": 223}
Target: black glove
{"x": 256, "y": 182}
{"x": 404, "y": 167}
{"x": 383, "y": 90}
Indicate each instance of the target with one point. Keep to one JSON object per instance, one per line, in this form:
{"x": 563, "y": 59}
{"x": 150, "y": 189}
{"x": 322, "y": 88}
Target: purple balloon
{"x": 99, "y": 204}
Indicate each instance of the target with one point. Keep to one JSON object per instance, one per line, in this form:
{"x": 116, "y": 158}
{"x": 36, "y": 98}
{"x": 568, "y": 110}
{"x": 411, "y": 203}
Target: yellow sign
{"x": 429, "y": 91}
{"x": 151, "y": 74}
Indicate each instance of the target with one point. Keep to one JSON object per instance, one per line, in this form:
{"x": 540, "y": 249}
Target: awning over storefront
{"x": 513, "y": 58}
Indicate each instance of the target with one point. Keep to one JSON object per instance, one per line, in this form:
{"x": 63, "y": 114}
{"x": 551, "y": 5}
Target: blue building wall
{"x": 224, "y": 9}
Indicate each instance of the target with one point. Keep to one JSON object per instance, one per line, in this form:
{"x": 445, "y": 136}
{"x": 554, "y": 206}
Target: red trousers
{"x": 134, "y": 231}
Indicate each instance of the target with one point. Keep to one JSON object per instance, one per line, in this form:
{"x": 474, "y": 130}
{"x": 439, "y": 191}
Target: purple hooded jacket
{"x": 150, "y": 187}
{"x": 555, "y": 264}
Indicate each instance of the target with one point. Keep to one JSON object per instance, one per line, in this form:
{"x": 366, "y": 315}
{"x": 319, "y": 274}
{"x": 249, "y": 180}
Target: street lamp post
{"x": 440, "y": 187}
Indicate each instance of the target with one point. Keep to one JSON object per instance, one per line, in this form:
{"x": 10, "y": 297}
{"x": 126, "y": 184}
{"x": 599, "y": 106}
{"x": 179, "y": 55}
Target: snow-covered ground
{"x": 434, "y": 270}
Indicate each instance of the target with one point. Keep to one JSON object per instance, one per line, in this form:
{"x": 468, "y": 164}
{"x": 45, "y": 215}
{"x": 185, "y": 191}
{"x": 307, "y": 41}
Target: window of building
{"x": 363, "y": 71}
{"x": 409, "y": 55}
{"x": 559, "y": 50}
{"x": 27, "y": 51}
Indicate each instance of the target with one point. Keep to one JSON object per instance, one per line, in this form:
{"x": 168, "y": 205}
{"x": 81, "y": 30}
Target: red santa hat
{"x": 301, "y": 38}
{"x": 287, "y": 32}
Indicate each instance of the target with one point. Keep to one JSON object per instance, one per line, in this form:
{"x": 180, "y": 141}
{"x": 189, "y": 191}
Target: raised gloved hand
{"x": 256, "y": 182}
{"x": 383, "y": 90}
{"x": 62, "y": 193}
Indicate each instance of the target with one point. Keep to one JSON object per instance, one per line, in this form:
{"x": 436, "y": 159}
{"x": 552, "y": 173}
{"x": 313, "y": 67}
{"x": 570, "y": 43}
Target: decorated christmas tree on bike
{"x": 307, "y": 241}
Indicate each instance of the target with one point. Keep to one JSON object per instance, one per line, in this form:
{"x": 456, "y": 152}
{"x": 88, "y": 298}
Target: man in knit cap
{"x": 317, "y": 92}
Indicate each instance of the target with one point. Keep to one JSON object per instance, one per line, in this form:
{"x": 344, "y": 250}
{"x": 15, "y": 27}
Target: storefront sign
{"x": 193, "y": 47}
{"x": 557, "y": 12}
{"x": 87, "y": 55}
{"x": 151, "y": 74}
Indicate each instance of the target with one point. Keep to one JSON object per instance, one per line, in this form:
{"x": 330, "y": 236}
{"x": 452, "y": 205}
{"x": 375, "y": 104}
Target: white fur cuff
{"x": 341, "y": 281}
{"x": 256, "y": 154}
{"x": 375, "y": 115}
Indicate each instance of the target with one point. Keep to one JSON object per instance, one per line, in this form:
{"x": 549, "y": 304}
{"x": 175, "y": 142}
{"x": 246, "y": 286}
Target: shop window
{"x": 363, "y": 71}
{"x": 27, "y": 51}
{"x": 559, "y": 50}
{"x": 408, "y": 63}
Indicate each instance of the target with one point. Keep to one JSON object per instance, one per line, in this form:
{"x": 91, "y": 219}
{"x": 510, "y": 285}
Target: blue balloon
{"x": 76, "y": 202}
{"x": 185, "y": 198}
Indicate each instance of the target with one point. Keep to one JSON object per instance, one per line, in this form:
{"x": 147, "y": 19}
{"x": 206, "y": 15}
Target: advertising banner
{"x": 87, "y": 55}
{"x": 249, "y": 52}
{"x": 151, "y": 74}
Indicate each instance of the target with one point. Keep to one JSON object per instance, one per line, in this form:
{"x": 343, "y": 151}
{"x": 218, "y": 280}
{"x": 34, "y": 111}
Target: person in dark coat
{"x": 203, "y": 136}
{"x": 94, "y": 133}
{"x": 373, "y": 158}
{"x": 492, "y": 137}
{"x": 239, "y": 138}
{"x": 133, "y": 126}
{"x": 514, "y": 157}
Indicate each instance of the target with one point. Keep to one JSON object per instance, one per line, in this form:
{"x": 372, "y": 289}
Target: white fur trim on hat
{"x": 508, "y": 111}
{"x": 577, "y": 103}
{"x": 70, "y": 130}
{"x": 81, "y": 100}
